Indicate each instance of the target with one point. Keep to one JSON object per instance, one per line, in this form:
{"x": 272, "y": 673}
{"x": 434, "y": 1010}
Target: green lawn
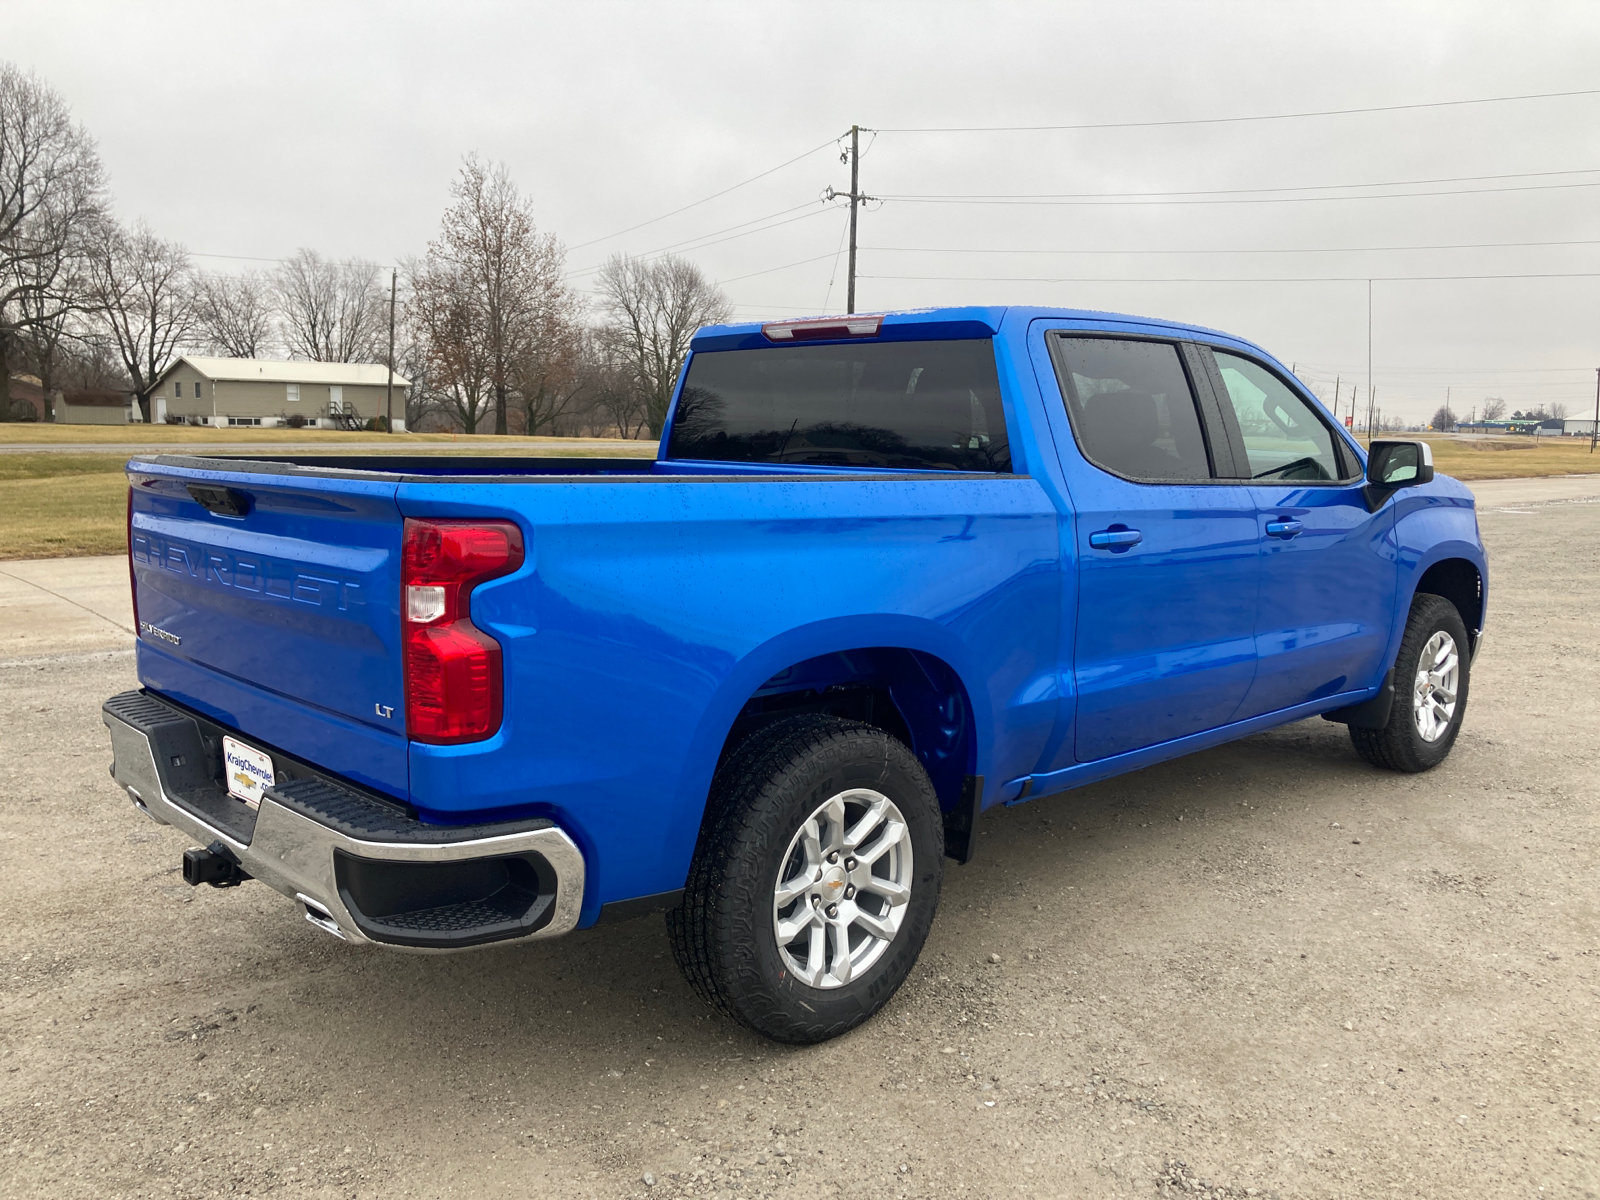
{"x": 59, "y": 503}
{"x": 54, "y": 504}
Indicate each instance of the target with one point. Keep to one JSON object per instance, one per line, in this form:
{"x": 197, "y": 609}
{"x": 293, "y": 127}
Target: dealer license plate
{"x": 249, "y": 771}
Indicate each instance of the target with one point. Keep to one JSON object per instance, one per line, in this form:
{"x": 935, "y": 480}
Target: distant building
{"x": 95, "y": 407}
{"x": 1578, "y": 427}
{"x": 225, "y": 392}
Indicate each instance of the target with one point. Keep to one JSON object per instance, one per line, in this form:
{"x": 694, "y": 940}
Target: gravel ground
{"x": 1263, "y": 970}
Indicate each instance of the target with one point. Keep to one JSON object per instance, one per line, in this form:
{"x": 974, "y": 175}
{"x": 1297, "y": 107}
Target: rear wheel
{"x": 815, "y": 880}
{"x": 1430, "y": 685}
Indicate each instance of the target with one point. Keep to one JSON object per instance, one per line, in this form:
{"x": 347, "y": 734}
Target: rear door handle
{"x": 1115, "y": 539}
{"x": 1285, "y": 527}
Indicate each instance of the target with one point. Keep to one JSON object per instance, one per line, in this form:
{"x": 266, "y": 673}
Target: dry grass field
{"x": 1512, "y": 457}
{"x": 55, "y": 503}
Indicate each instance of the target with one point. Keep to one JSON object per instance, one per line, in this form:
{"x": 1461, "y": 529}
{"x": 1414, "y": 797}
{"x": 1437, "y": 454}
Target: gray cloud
{"x": 253, "y": 130}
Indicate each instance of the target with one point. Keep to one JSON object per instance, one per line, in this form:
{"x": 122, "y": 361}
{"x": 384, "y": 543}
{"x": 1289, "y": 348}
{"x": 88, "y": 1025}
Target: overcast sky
{"x": 254, "y": 129}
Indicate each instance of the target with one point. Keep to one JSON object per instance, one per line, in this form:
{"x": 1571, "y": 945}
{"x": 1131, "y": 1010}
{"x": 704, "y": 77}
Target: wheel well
{"x": 912, "y": 696}
{"x": 1458, "y": 581}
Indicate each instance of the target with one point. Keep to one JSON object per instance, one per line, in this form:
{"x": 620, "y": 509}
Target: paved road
{"x": 1264, "y": 967}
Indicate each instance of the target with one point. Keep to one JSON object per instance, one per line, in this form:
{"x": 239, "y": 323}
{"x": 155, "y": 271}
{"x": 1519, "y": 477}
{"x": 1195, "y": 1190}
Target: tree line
{"x": 484, "y": 323}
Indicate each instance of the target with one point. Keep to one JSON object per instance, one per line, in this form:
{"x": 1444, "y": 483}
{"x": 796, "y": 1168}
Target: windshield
{"x": 918, "y": 405}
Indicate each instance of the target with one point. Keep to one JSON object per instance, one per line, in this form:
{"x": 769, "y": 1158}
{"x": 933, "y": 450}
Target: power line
{"x": 1241, "y": 279}
{"x": 699, "y": 243}
{"x": 1330, "y": 112}
{"x": 709, "y": 198}
{"x": 1309, "y": 187}
{"x": 1110, "y": 199}
{"x": 802, "y": 262}
{"x": 1269, "y": 250}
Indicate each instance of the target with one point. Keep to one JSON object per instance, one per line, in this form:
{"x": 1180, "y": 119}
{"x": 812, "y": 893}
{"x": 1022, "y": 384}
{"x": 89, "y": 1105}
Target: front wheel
{"x": 815, "y": 880}
{"x": 1430, "y": 691}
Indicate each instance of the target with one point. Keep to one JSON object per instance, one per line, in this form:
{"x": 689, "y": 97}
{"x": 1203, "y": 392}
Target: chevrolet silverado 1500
{"x": 884, "y": 573}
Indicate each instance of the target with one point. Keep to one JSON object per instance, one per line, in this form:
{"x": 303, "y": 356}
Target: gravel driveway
{"x": 1264, "y": 970}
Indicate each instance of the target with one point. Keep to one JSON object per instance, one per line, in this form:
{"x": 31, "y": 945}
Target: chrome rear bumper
{"x": 327, "y": 847}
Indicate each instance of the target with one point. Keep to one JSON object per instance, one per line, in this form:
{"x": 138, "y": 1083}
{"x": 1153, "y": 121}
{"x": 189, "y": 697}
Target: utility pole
{"x": 856, "y": 199}
{"x": 1369, "y": 359}
{"x": 388, "y": 392}
{"x": 1337, "y": 380}
{"x": 1594, "y": 431}
{"x": 855, "y": 203}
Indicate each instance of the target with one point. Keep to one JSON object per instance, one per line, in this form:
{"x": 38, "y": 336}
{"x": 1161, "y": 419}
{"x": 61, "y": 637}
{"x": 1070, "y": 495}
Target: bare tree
{"x": 50, "y": 307}
{"x": 1443, "y": 419}
{"x": 331, "y": 311}
{"x": 51, "y": 198}
{"x": 652, "y": 311}
{"x": 456, "y": 379}
{"x": 234, "y": 314}
{"x": 144, "y": 291}
{"x": 1494, "y": 408}
{"x": 510, "y": 275}
{"x": 1558, "y": 409}
{"x": 549, "y": 377}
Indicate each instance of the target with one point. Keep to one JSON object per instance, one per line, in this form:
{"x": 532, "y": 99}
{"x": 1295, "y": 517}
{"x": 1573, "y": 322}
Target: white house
{"x": 199, "y": 390}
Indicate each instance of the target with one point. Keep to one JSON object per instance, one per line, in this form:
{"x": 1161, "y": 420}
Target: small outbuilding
{"x": 95, "y": 407}
{"x": 198, "y": 390}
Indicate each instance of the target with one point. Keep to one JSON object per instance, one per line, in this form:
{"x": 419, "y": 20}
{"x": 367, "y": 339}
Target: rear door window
{"x": 915, "y": 405}
{"x": 1132, "y": 409}
{"x": 1284, "y": 439}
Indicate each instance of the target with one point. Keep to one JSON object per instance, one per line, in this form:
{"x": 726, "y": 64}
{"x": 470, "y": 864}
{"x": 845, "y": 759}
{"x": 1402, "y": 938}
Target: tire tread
{"x": 1397, "y": 746}
{"x": 738, "y": 824}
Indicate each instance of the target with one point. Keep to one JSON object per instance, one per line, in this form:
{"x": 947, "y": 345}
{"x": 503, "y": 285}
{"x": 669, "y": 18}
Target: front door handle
{"x": 1284, "y": 527}
{"x": 1115, "y": 539}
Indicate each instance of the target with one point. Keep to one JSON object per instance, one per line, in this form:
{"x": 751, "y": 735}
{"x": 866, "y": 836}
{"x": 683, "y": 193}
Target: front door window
{"x": 1283, "y": 438}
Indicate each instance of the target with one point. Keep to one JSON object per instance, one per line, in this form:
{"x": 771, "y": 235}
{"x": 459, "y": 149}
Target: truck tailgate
{"x": 271, "y": 601}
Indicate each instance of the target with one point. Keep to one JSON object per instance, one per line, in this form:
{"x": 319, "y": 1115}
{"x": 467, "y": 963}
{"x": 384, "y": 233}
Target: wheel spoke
{"x": 839, "y": 939}
{"x": 811, "y": 845}
{"x": 792, "y": 927}
{"x": 833, "y": 810}
{"x": 878, "y": 927}
{"x": 893, "y": 832}
{"x": 814, "y": 958}
{"x": 788, "y": 892}
{"x": 862, "y": 829}
{"x": 895, "y": 893}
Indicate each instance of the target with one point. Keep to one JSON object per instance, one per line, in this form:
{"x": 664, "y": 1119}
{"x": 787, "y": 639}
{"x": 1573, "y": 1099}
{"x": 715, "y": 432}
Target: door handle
{"x": 1285, "y": 527}
{"x": 1115, "y": 539}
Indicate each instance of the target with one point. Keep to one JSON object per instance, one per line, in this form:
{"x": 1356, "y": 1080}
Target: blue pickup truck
{"x": 884, "y": 573}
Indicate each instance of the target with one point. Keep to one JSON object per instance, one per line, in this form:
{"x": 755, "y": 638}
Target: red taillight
{"x": 133, "y": 580}
{"x": 454, "y": 686}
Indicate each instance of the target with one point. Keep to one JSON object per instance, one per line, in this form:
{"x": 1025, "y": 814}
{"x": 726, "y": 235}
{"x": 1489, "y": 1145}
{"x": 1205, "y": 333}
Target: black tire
{"x": 723, "y": 935}
{"x": 1399, "y": 745}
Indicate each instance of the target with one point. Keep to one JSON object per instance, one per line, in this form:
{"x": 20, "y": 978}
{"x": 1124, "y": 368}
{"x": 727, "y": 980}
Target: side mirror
{"x": 1393, "y": 463}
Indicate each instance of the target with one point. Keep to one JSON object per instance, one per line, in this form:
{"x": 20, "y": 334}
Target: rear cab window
{"x": 911, "y": 405}
{"x": 1132, "y": 408}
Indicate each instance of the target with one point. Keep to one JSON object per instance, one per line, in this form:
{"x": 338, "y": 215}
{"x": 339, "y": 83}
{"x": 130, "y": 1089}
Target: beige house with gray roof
{"x": 198, "y": 390}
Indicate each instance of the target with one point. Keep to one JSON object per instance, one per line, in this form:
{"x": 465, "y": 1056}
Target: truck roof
{"x": 950, "y": 322}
